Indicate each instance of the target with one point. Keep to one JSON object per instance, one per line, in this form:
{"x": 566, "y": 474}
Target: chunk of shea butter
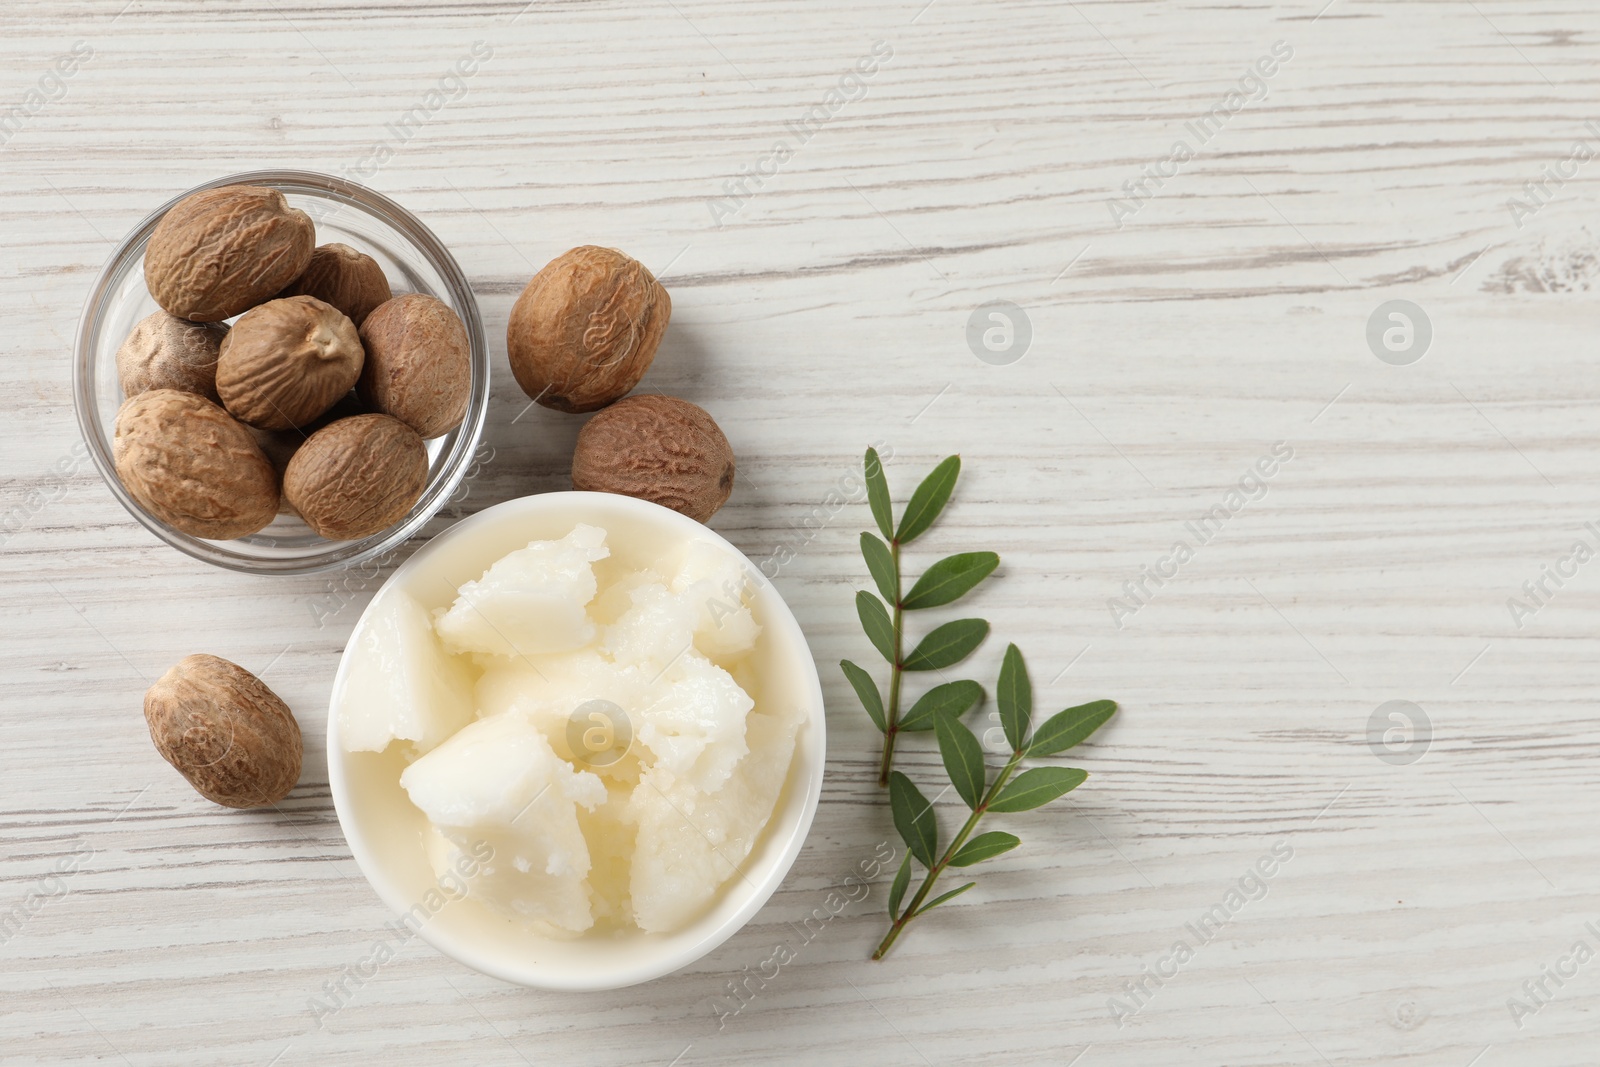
{"x": 399, "y": 683}
{"x": 689, "y": 842}
{"x": 531, "y": 602}
{"x": 657, "y": 628}
{"x": 549, "y": 691}
{"x": 718, "y": 586}
{"x": 706, "y": 606}
{"x": 497, "y": 786}
{"x": 694, "y": 723}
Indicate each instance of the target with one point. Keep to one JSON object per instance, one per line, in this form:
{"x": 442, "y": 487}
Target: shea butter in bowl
{"x": 576, "y": 742}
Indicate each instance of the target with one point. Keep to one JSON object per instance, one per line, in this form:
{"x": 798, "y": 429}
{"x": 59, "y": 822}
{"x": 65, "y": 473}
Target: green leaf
{"x": 948, "y": 644}
{"x": 963, "y": 758}
{"x": 1014, "y": 697}
{"x": 1037, "y": 787}
{"x": 878, "y": 494}
{"x": 913, "y": 817}
{"x": 941, "y": 898}
{"x": 1067, "y": 728}
{"x": 867, "y": 690}
{"x": 875, "y": 621}
{"x": 949, "y": 579}
{"x": 952, "y": 698}
{"x": 881, "y": 563}
{"x": 984, "y": 847}
{"x": 897, "y": 891}
{"x": 929, "y": 499}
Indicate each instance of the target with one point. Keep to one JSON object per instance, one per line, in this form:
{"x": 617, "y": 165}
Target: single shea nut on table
{"x": 164, "y": 352}
{"x": 656, "y": 448}
{"x": 585, "y": 329}
{"x": 288, "y": 361}
{"x": 220, "y": 252}
{"x": 193, "y": 466}
{"x": 225, "y": 731}
{"x": 350, "y": 280}
{"x": 357, "y": 476}
{"x": 419, "y": 364}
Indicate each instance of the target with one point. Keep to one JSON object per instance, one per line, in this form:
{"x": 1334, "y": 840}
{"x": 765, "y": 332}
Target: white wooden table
{"x": 1000, "y": 151}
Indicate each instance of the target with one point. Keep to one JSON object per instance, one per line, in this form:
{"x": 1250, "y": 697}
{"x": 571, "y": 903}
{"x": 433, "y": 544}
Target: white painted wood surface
{"x": 1168, "y": 354}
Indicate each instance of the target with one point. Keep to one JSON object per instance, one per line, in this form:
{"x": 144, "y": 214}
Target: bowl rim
{"x": 336, "y": 554}
{"x": 810, "y": 757}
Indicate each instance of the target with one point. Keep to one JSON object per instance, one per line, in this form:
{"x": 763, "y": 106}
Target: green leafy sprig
{"x": 883, "y": 619}
{"x": 914, "y": 817}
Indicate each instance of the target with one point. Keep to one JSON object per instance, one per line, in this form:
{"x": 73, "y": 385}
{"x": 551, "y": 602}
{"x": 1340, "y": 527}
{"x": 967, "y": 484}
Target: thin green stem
{"x": 938, "y": 868}
{"x": 892, "y": 715}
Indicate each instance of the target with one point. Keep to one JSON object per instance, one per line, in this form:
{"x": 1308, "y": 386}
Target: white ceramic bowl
{"x": 385, "y": 830}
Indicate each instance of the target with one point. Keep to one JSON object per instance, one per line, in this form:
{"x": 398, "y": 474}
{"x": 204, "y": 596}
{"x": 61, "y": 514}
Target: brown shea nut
{"x": 657, "y": 448}
{"x": 225, "y": 731}
{"x": 193, "y": 466}
{"x": 164, "y": 352}
{"x": 419, "y": 364}
{"x": 287, "y": 361}
{"x": 339, "y": 275}
{"x": 585, "y": 329}
{"x": 222, "y": 251}
{"x": 281, "y": 445}
{"x": 357, "y": 476}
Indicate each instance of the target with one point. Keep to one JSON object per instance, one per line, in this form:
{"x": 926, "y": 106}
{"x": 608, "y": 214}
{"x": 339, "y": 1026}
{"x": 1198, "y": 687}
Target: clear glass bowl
{"x": 414, "y": 260}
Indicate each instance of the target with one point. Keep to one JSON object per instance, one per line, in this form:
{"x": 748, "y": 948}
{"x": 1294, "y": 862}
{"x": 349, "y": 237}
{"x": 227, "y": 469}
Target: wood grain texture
{"x": 827, "y": 308}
